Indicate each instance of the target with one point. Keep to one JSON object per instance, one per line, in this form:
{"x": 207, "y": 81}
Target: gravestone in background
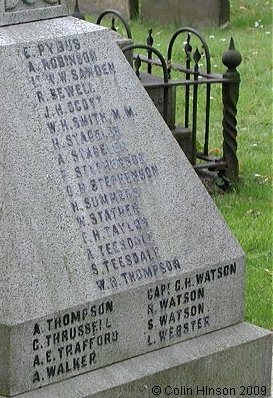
{"x": 197, "y": 13}
{"x": 128, "y": 8}
{"x": 110, "y": 247}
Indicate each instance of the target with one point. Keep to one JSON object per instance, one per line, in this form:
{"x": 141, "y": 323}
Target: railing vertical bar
{"x": 196, "y": 58}
{"x": 187, "y": 97}
{"x": 149, "y": 42}
{"x": 188, "y": 50}
{"x": 207, "y": 120}
{"x": 230, "y": 94}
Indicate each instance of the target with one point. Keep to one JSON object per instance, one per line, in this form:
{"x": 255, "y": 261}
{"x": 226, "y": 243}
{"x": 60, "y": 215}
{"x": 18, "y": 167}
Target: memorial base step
{"x": 232, "y": 362}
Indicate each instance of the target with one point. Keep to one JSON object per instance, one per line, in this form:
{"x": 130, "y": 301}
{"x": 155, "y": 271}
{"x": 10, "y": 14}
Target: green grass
{"x": 248, "y": 207}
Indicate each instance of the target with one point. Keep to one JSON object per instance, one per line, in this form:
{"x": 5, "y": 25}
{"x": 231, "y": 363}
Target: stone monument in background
{"x": 128, "y": 8}
{"x": 197, "y": 14}
{"x": 119, "y": 277}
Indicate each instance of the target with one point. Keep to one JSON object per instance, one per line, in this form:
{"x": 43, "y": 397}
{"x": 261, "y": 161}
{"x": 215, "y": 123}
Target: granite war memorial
{"x": 118, "y": 274}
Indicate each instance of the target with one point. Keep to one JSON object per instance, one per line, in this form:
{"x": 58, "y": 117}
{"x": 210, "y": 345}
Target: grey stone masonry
{"x": 197, "y": 13}
{"x": 19, "y": 11}
{"x": 128, "y": 8}
{"x": 233, "y": 362}
{"x": 110, "y": 246}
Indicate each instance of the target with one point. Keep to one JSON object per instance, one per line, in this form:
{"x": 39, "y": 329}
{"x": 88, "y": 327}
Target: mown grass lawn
{"x": 248, "y": 207}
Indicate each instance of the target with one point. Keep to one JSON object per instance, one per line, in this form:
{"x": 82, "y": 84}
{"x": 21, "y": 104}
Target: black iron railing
{"x": 191, "y": 77}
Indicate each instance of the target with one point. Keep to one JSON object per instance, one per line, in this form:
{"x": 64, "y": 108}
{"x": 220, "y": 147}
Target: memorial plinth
{"x": 110, "y": 247}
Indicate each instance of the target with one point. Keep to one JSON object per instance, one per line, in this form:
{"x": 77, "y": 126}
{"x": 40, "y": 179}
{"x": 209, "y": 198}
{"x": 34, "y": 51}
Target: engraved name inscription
{"x": 68, "y": 344}
{"x": 179, "y": 308}
{"x": 81, "y": 339}
{"x": 103, "y": 179}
